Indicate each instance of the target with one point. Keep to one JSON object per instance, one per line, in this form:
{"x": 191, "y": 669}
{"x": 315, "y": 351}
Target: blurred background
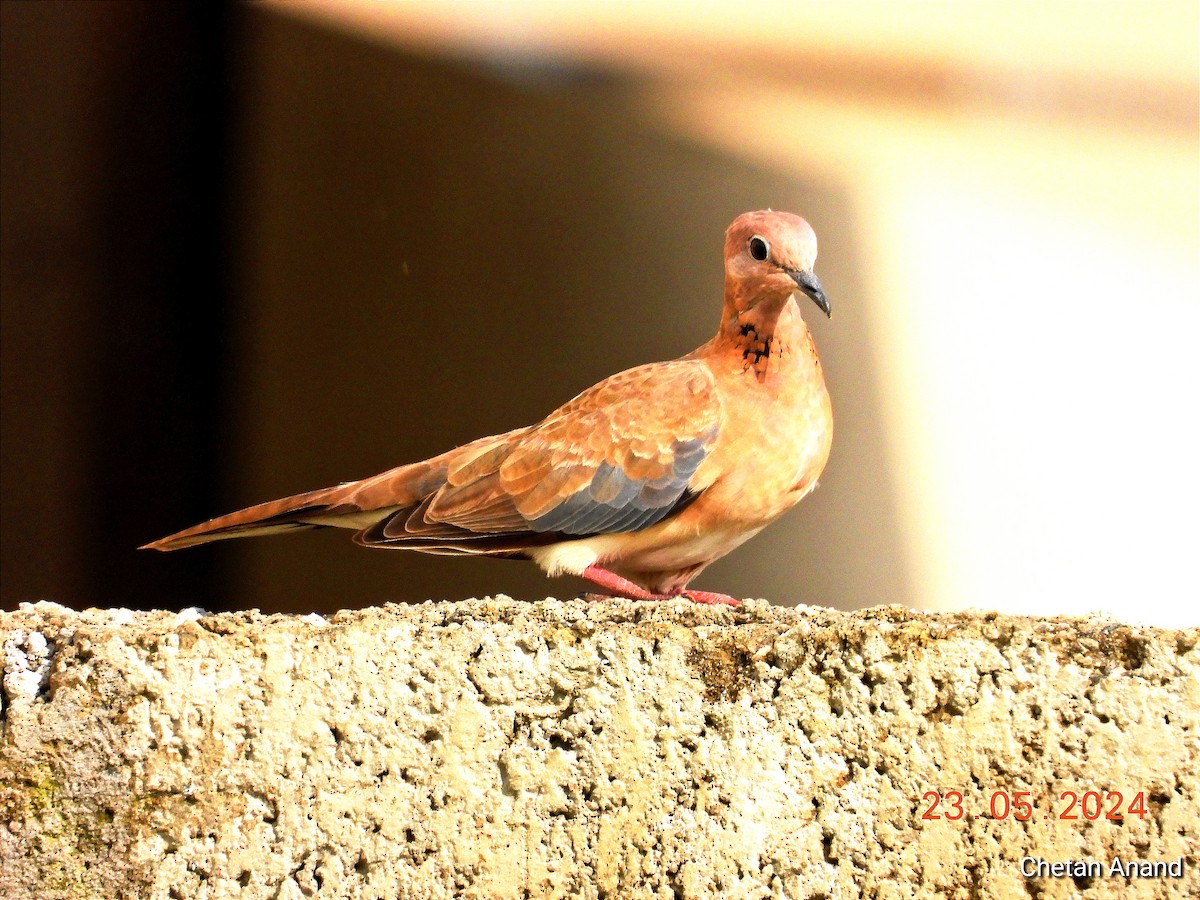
{"x": 249, "y": 250}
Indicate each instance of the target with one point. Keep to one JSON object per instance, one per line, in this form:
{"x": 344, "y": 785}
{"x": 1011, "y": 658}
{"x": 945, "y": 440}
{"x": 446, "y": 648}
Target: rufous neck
{"x": 763, "y": 336}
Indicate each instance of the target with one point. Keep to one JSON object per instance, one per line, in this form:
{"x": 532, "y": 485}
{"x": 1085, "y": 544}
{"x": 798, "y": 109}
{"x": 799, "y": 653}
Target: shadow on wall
{"x": 426, "y": 253}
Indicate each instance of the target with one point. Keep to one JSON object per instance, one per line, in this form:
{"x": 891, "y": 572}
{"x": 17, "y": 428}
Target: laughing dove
{"x": 639, "y": 482}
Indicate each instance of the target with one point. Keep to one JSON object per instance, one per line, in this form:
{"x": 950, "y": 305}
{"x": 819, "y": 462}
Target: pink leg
{"x": 623, "y": 587}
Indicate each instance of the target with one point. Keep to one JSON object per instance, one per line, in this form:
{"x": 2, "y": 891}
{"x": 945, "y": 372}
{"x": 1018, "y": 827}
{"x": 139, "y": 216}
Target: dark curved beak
{"x": 808, "y": 283}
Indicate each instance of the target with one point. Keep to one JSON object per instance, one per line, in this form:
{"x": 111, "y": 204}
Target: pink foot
{"x": 709, "y": 598}
{"x": 623, "y": 587}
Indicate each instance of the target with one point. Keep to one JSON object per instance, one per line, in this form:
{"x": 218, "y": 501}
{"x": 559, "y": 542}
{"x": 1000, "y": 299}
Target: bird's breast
{"x": 774, "y": 441}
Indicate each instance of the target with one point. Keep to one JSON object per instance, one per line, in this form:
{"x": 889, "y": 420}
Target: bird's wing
{"x": 619, "y": 457}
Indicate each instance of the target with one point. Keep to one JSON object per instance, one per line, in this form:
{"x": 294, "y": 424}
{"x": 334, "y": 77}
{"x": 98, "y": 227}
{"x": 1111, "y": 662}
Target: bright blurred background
{"x": 254, "y": 249}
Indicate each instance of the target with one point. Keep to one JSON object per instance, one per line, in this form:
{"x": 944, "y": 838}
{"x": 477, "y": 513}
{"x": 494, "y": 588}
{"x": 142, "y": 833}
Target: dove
{"x": 639, "y": 482}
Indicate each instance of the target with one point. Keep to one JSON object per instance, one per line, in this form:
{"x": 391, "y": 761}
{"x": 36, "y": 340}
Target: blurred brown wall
{"x": 112, "y": 140}
{"x": 398, "y": 254}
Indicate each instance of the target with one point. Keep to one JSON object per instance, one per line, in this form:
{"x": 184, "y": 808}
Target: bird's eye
{"x": 759, "y": 248}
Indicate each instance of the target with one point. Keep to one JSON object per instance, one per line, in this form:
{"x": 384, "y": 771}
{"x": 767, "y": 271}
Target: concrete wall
{"x": 501, "y": 749}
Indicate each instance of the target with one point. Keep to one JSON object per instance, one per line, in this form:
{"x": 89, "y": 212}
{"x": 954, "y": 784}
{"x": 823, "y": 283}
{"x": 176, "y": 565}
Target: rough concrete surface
{"x": 494, "y": 748}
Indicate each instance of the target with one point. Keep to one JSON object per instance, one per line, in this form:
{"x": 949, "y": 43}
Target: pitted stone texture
{"x": 499, "y": 749}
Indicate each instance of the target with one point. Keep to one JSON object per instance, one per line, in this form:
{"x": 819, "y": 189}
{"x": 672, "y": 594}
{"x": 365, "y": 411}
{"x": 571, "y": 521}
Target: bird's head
{"x": 770, "y": 255}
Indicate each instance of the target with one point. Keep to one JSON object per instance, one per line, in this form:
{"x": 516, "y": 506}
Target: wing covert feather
{"x": 619, "y": 457}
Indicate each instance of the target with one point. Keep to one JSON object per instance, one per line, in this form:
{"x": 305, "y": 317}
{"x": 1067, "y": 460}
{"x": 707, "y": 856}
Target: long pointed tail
{"x": 355, "y": 504}
{"x": 313, "y": 509}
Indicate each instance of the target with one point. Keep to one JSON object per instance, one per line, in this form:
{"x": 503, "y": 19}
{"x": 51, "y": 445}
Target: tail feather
{"x": 357, "y": 505}
{"x": 286, "y": 514}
